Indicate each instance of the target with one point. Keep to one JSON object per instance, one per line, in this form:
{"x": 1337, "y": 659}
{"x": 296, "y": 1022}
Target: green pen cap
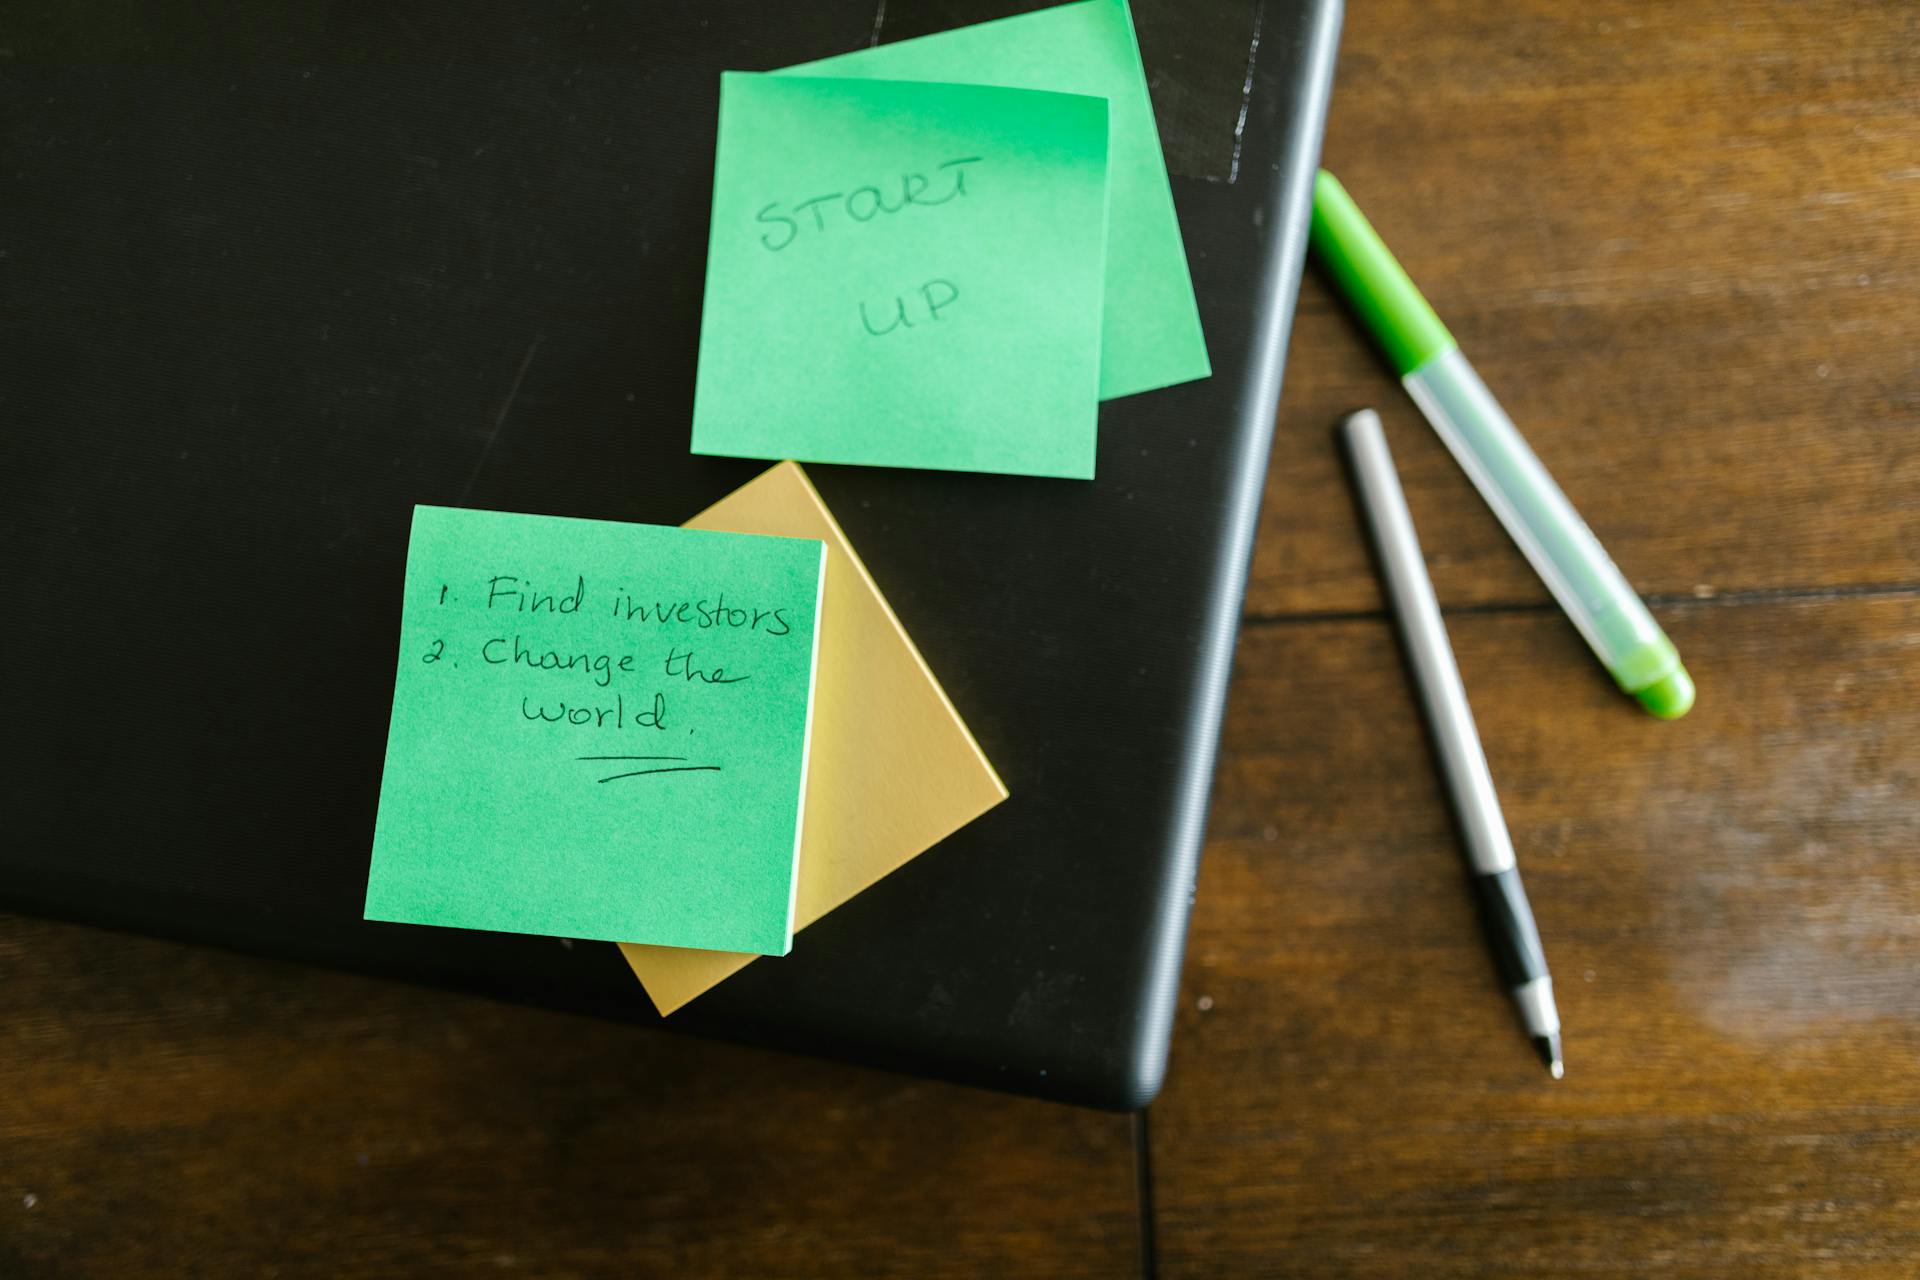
{"x": 1376, "y": 285}
{"x": 1669, "y": 697}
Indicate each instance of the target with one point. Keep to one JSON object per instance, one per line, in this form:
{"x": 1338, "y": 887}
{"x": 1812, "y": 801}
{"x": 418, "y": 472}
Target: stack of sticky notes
{"x": 691, "y": 741}
{"x": 599, "y": 730}
{"x": 944, "y": 252}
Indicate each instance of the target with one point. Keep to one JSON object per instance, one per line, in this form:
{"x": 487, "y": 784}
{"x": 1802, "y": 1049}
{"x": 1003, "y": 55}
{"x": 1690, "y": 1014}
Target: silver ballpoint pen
{"x": 1508, "y": 917}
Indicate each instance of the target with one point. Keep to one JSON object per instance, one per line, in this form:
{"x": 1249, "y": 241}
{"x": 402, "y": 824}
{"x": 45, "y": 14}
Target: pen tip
{"x": 1549, "y": 1047}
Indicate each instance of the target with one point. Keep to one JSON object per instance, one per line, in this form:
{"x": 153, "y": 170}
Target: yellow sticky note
{"x": 892, "y": 769}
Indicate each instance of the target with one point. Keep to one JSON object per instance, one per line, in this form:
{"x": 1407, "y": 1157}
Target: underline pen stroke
{"x": 685, "y": 768}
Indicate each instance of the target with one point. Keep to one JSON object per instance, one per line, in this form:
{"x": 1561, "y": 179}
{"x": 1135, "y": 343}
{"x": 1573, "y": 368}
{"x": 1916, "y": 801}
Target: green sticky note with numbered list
{"x": 1150, "y": 329}
{"x": 599, "y": 731}
{"x": 904, "y": 274}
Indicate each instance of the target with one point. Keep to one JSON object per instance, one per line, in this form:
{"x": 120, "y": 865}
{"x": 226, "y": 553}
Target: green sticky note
{"x": 599, "y": 731}
{"x": 904, "y": 274}
{"x": 1150, "y": 328}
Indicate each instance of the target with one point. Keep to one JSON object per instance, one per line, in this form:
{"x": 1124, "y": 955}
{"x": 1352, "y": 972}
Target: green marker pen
{"x": 1562, "y": 550}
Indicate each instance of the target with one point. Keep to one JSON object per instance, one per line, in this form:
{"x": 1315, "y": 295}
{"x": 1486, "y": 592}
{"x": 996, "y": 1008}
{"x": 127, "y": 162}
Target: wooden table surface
{"x": 1681, "y": 242}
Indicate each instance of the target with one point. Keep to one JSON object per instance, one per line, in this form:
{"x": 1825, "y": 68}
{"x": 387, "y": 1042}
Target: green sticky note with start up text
{"x": 904, "y": 274}
{"x": 1150, "y": 331}
{"x": 599, "y": 731}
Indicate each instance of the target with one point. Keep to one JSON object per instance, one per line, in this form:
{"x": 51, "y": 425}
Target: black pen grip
{"x": 1509, "y": 924}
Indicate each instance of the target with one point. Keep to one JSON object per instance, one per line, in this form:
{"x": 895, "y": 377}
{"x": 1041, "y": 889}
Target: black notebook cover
{"x": 272, "y": 274}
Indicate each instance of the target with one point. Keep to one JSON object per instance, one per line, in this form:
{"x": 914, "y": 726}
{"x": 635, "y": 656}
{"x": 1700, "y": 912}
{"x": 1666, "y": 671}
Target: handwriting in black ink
{"x": 862, "y": 204}
{"x": 641, "y": 773}
{"x": 935, "y": 296}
